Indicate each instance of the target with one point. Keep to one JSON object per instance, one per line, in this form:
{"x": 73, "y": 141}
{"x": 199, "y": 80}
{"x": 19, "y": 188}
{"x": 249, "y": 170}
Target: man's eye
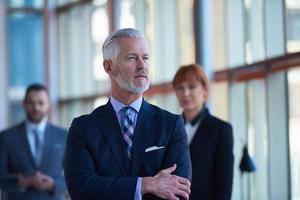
{"x": 131, "y": 58}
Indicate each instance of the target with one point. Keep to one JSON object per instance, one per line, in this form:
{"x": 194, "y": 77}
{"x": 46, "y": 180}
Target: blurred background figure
{"x": 31, "y": 153}
{"x": 210, "y": 139}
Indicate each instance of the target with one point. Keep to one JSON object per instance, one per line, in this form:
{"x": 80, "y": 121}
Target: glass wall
{"x": 246, "y": 32}
{"x": 25, "y": 3}
{"x": 294, "y": 130}
{"x": 274, "y": 28}
{"x": 81, "y": 74}
{"x": 293, "y": 25}
{"x": 25, "y": 65}
{"x": 25, "y": 52}
{"x": 235, "y": 33}
{"x": 82, "y": 30}
{"x": 219, "y": 42}
{"x": 219, "y": 99}
{"x": 255, "y": 45}
{"x": 127, "y": 18}
{"x": 258, "y": 139}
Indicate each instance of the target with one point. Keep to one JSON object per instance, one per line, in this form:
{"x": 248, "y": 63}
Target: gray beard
{"x": 130, "y": 87}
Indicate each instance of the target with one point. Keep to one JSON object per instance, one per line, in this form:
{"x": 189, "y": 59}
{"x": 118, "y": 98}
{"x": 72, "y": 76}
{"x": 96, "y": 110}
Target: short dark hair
{"x": 35, "y": 87}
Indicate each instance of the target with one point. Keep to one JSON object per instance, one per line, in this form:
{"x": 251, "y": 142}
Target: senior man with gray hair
{"x": 127, "y": 149}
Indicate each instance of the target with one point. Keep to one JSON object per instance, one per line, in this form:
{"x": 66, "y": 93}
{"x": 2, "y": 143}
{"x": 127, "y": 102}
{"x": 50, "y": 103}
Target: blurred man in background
{"x": 31, "y": 153}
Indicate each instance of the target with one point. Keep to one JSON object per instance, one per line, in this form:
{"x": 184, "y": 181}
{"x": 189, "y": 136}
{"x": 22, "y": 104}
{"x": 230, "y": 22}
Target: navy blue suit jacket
{"x": 212, "y": 158}
{"x": 16, "y": 157}
{"x": 96, "y": 164}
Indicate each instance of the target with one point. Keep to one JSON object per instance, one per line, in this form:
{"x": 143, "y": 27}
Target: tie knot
{"x": 35, "y": 131}
{"x": 127, "y": 110}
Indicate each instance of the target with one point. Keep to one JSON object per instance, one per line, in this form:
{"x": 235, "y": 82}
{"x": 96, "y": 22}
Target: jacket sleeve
{"x": 224, "y": 164}
{"x": 178, "y": 150}
{"x": 177, "y": 153}
{"x": 8, "y": 180}
{"x": 82, "y": 180}
{"x": 59, "y": 185}
{"x": 59, "y": 182}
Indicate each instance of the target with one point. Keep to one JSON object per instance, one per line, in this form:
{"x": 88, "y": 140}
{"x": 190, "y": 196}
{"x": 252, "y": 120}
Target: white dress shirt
{"x": 40, "y": 128}
{"x": 191, "y": 130}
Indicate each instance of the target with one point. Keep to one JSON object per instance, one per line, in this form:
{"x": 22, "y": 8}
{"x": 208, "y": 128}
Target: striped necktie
{"x": 127, "y": 125}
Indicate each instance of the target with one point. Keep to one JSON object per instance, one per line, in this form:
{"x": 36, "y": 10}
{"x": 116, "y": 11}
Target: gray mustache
{"x": 142, "y": 74}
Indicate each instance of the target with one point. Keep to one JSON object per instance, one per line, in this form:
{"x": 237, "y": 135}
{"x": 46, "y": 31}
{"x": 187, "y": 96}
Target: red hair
{"x": 191, "y": 73}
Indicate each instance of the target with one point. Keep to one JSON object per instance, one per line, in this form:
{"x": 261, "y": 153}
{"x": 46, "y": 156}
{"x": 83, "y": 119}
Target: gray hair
{"x": 110, "y": 46}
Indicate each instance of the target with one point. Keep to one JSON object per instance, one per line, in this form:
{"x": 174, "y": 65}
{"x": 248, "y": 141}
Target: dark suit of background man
{"x": 31, "y": 153}
{"x": 127, "y": 149}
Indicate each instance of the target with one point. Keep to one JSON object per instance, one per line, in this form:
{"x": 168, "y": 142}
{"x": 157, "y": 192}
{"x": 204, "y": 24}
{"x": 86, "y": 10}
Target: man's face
{"x": 36, "y": 105}
{"x": 131, "y": 65}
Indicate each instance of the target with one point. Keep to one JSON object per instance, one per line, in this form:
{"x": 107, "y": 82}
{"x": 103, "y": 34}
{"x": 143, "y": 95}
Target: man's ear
{"x": 107, "y": 64}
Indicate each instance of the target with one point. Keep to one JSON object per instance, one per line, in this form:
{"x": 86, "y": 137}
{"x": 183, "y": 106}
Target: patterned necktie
{"x": 127, "y": 126}
{"x": 38, "y": 147}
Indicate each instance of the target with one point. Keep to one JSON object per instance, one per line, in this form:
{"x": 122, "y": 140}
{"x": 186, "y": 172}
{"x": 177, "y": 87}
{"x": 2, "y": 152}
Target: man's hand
{"x": 39, "y": 181}
{"x": 43, "y": 182}
{"x": 24, "y": 182}
{"x": 166, "y": 186}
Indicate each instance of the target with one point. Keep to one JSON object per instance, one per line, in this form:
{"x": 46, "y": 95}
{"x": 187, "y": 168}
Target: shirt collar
{"x": 198, "y": 117}
{"x": 117, "y": 105}
{"x": 40, "y": 126}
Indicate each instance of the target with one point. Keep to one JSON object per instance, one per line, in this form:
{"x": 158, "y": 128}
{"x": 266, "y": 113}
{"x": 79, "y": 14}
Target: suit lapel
{"x": 111, "y": 130}
{"x": 145, "y": 127}
{"x": 25, "y": 152}
{"x": 201, "y": 130}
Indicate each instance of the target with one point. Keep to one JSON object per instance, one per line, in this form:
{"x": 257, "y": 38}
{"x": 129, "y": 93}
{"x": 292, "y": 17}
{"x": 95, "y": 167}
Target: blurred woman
{"x": 210, "y": 139}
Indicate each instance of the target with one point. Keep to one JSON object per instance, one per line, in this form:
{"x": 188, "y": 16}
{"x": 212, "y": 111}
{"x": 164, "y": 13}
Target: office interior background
{"x": 249, "y": 48}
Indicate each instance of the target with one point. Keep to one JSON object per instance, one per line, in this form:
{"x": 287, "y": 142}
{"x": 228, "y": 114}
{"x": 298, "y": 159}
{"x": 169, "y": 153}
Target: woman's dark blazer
{"x": 212, "y": 158}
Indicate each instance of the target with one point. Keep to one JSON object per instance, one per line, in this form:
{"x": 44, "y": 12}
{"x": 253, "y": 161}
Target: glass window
{"x": 294, "y": 130}
{"x": 258, "y": 139}
{"x": 161, "y": 21}
{"x": 278, "y": 145}
{"x": 219, "y": 56}
{"x": 127, "y": 18}
{"x": 99, "y": 34}
{"x": 25, "y": 49}
{"x": 25, "y": 3}
{"x": 168, "y": 51}
{"x": 219, "y": 99}
{"x": 82, "y": 31}
{"x": 235, "y": 32}
{"x": 238, "y": 119}
{"x": 68, "y": 111}
{"x": 186, "y": 35}
{"x": 274, "y": 27}
{"x": 166, "y": 101}
{"x": 255, "y": 50}
{"x": 16, "y": 113}
{"x": 62, "y": 2}
{"x": 293, "y": 25}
